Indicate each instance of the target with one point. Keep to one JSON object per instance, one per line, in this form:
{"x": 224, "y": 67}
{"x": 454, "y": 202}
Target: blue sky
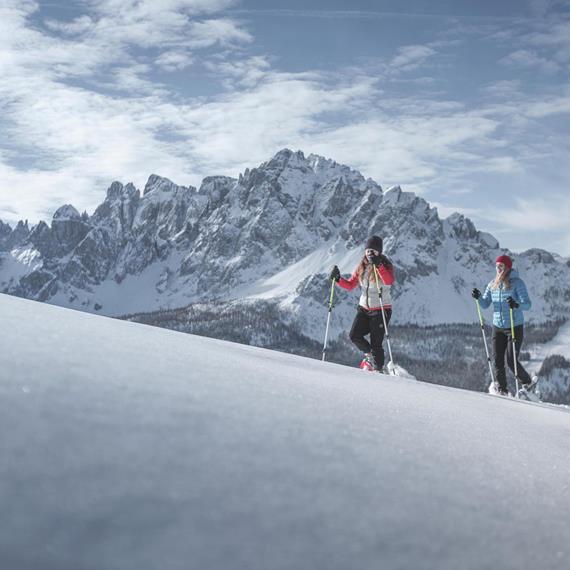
{"x": 465, "y": 103}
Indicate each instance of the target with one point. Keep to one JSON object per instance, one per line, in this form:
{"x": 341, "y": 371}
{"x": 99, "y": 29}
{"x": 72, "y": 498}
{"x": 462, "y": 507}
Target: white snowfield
{"x": 125, "y": 447}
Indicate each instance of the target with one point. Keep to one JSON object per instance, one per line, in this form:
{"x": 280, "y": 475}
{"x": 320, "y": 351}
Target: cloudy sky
{"x": 464, "y": 102}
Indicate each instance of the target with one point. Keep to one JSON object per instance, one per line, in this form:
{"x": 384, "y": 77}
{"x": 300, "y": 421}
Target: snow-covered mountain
{"x": 132, "y": 447}
{"x": 273, "y": 233}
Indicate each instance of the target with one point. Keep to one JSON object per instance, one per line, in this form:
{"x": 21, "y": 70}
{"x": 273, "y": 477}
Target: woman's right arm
{"x": 349, "y": 284}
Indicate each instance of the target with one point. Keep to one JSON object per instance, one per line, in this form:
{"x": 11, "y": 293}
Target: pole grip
{"x": 331, "y": 298}
{"x": 331, "y": 295}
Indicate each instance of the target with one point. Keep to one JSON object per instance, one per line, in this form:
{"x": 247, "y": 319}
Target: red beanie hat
{"x": 506, "y": 260}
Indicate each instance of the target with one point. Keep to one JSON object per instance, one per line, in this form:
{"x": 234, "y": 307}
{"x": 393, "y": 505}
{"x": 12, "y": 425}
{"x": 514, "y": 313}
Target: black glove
{"x": 512, "y": 303}
{"x": 379, "y": 259}
{"x": 335, "y": 273}
{"x": 476, "y": 294}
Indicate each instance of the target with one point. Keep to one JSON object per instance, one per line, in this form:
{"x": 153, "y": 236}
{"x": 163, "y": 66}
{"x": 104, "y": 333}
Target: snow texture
{"x": 132, "y": 447}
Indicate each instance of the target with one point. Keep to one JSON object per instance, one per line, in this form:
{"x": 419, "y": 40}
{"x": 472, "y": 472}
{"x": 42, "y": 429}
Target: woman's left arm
{"x": 522, "y": 297}
{"x": 386, "y": 270}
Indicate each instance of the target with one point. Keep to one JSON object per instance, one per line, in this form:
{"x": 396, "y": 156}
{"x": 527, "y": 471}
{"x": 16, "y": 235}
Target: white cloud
{"x": 501, "y": 164}
{"x": 115, "y": 33}
{"x": 504, "y": 89}
{"x": 216, "y": 31}
{"x": 527, "y": 58}
{"x": 135, "y": 10}
{"x": 78, "y": 26}
{"x": 555, "y": 35}
{"x": 409, "y": 58}
{"x": 544, "y": 214}
{"x": 245, "y": 72}
{"x": 174, "y": 60}
{"x": 548, "y": 107}
{"x": 543, "y": 43}
{"x": 162, "y": 24}
{"x": 445, "y": 211}
{"x": 79, "y": 138}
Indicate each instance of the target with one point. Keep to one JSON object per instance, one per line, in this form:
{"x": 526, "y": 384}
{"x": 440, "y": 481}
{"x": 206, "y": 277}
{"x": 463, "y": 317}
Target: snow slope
{"x": 132, "y": 447}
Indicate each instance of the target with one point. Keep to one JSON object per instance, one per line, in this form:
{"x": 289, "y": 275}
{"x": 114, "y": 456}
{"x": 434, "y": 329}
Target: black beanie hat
{"x": 374, "y": 242}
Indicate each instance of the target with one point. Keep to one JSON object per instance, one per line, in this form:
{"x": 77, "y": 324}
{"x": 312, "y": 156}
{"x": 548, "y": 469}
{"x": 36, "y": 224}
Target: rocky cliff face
{"x": 273, "y": 233}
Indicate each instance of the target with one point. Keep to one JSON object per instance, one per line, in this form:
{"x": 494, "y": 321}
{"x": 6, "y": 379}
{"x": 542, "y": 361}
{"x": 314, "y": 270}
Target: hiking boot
{"x": 369, "y": 361}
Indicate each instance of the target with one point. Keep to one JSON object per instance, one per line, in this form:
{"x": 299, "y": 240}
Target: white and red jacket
{"x": 369, "y": 298}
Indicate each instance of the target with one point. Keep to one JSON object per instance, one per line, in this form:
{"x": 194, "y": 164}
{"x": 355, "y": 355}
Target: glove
{"x": 335, "y": 274}
{"x": 379, "y": 259}
{"x": 476, "y": 294}
{"x": 375, "y": 260}
{"x": 512, "y": 303}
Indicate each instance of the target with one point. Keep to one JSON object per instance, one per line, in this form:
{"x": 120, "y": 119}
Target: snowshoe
{"x": 368, "y": 363}
{"x": 528, "y": 392}
{"x": 396, "y": 370}
{"x": 496, "y": 390}
{"x": 532, "y": 387}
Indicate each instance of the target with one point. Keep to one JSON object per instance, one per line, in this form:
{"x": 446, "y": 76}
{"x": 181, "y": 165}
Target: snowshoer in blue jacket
{"x": 507, "y": 291}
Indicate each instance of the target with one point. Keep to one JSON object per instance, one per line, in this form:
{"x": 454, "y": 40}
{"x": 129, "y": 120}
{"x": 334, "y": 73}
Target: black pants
{"x": 502, "y": 343}
{"x": 370, "y": 323}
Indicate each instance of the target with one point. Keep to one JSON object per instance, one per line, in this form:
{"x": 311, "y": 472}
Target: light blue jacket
{"x": 517, "y": 290}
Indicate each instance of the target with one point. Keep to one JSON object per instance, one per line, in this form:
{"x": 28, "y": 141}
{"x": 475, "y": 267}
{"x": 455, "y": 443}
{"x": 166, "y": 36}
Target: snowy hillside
{"x": 133, "y": 447}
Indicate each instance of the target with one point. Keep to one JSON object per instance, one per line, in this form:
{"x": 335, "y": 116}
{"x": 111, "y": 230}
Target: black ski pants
{"x": 503, "y": 344}
{"x": 370, "y": 323}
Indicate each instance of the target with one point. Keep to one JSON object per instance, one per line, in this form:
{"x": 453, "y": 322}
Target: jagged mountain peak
{"x": 156, "y": 184}
{"x": 396, "y": 194}
{"x": 461, "y": 226}
{"x": 115, "y": 190}
{"x": 287, "y": 156}
{"x": 66, "y": 212}
{"x": 282, "y": 163}
{"x": 10, "y": 238}
{"x": 395, "y": 197}
{"x": 320, "y": 165}
{"x": 537, "y": 255}
{"x": 216, "y": 186}
{"x": 118, "y": 193}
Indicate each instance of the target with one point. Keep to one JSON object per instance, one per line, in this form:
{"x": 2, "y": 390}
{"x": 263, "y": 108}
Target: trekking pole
{"x": 392, "y": 367}
{"x": 514, "y": 351}
{"x": 485, "y": 341}
{"x": 328, "y": 319}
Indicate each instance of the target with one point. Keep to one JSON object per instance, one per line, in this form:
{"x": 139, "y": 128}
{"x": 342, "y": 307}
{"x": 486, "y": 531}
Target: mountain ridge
{"x": 275, "y": 230}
